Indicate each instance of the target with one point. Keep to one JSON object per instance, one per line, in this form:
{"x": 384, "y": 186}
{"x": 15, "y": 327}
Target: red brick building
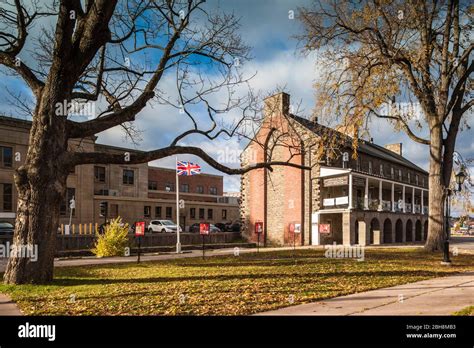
{"x": 133, "y": 192}
{"x": 378, "y": 197}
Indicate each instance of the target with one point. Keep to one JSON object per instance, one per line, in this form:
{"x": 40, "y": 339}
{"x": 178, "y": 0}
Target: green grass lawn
{"x": 225, "y": 285}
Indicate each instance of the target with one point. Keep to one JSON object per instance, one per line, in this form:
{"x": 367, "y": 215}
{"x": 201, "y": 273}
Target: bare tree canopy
{"x": 121, "y": 56}
{"x": 379, "y": 56}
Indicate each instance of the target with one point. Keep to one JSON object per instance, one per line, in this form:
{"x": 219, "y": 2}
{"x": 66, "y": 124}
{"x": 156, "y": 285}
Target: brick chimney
{"x": 397, "y": 148}
{"x": 277, "y": 104}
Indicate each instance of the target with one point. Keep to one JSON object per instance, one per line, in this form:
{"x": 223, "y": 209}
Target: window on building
{"x": 381, "y": 169}
{"x": 224, "y": 214}
{"x": 210, "y": 214}
{"x": 147, "y": 211}
{"x": 416, "y": 179}
{"x": 408, "y": 177}
{"x": 370, "y": 167}
{"x": 7, "y": 196}
{"x": 169, "y": 212}
{"x": 192, "y": 212}
{"x": 128, "y": 176}
{"x": 169, "y": 186}
{"x": 158, "y": 212}
{"x": 64, "y": 208}
{"x": 213, "y": 190}
{"x": 423, "y": 181}
{"x": 200, "y": 189}
{"x": 392, "y": 173}
{"x": 201, "y": 213}
{"x": 152, "y": 185}
{"x": 358, "y": 164}
{"x": 99, "y": 173}
{"x": 400, "y": 175}
{"x": 6, "y": 156}
{"x": 184, "y": 188}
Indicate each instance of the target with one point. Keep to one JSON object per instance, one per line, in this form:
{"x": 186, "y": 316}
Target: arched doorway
{"x": 418, "y": 230}
{"x": 356, "y": 229}
{"x": 374, "y": 226}
{"x": 425, "y": 230}
{"x": 399, "y": 231}
{"x": 387, "y": 231}
{"x": 409, "y": 231}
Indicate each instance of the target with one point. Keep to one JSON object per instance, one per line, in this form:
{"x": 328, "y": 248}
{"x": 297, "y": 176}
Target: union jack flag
{"x": 187, "y": 168}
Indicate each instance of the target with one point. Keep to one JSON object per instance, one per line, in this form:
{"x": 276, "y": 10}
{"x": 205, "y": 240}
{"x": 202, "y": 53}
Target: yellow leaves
{"x": 247, "y": 284}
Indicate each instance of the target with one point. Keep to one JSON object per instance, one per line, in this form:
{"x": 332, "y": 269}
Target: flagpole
{"x": 178, "y": 243}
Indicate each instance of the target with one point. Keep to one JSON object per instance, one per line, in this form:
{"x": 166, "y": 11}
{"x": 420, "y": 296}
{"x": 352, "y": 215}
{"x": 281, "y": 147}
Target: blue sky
{"x": 267, "y": 28}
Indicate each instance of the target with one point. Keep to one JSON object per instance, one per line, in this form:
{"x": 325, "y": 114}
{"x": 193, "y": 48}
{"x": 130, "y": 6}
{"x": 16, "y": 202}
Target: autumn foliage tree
{"x": 383, "y": 58}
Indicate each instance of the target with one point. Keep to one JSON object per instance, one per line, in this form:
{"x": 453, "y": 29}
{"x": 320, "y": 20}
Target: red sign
{"x": 325, "y": 228}
{"x": 259, "y": 227}
{"x": 204, "y": 228}
{"x": 140, "y": 228}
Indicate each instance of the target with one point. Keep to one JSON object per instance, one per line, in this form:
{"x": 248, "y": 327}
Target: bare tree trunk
{"x": 41, "y": 184}
{"x": 437, "y": 192}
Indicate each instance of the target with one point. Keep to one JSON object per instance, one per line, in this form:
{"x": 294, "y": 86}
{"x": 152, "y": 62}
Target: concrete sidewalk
{"x": 438, "y": 296}
{"x": 8, "y": 307}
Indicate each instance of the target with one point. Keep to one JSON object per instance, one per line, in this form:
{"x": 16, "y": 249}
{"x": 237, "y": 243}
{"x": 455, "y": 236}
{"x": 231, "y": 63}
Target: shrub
{"x": 113, "y": 241}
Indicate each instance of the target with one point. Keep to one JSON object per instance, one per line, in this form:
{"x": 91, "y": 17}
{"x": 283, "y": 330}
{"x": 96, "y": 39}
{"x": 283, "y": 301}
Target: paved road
{"x": 464, "y": 244}
{"x": 439, "y": 296}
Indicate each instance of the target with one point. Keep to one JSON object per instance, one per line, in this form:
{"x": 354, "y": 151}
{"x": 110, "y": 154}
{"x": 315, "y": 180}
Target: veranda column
{"x": 366, "y": 194}
{"x": 393, "y": 197}
{"x": 403, "y": 198}
{"x": 350, "y": 191}
{"x": 422, "y": 204}
{"x": 380, "y": 195}
{"x": 413, "y": 200}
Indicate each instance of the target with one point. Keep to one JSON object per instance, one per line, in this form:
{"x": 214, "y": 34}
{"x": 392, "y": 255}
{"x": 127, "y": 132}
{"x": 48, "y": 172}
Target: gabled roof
{"x": 363, "y": 146}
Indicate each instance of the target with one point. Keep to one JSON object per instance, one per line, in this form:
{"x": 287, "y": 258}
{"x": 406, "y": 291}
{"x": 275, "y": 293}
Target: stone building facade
{"x": 329, "y": 194}
{"x": 134, "y": 192}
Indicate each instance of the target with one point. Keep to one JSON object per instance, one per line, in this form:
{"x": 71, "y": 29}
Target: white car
{"x": 162, "y": 226}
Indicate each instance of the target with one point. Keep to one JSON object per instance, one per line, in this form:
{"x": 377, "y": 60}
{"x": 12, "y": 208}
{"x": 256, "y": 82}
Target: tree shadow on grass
{"x": 107, "y": 281}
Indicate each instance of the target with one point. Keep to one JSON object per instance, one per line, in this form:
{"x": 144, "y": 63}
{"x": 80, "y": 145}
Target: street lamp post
{"x": 460, "y": 177}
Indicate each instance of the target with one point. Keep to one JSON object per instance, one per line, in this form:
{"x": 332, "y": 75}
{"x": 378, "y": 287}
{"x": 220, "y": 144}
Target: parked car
{"x": 6, "y": 228}
{"x": 221, "y": 226}
{"x": 232, "y": 226}
{"x": 194, "y": 228}
{"x": 162, "y": 226}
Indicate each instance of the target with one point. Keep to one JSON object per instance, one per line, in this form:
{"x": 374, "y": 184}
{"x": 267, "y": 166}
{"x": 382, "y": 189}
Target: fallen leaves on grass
{"x": 224, "y": 285}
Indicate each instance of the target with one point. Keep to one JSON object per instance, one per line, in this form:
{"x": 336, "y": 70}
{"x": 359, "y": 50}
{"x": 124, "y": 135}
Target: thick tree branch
{"x": 137, "y": 157}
